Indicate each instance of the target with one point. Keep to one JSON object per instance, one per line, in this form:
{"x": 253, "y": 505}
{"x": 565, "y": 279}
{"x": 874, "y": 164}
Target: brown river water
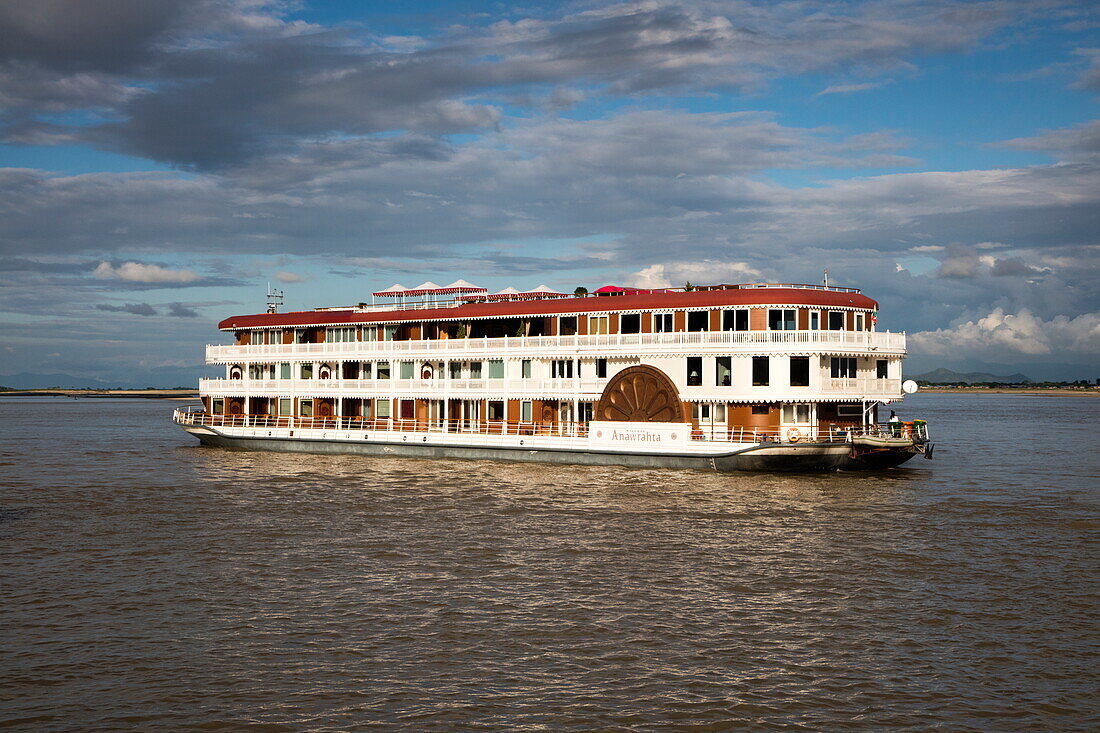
{"x": 148, "y": 584}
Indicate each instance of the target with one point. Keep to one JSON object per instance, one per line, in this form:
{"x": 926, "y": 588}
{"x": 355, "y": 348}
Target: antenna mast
{"x": 825, "y": 282}
{"x": 274, "y": 299}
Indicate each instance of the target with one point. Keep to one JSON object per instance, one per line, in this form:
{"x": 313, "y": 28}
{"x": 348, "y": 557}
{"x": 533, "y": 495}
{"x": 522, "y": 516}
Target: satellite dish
{"x": 909, "y": 386}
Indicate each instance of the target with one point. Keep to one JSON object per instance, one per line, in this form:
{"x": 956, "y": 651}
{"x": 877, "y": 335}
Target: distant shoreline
{"x": 150, "y": 394}
{"x": 1010, "y": 390}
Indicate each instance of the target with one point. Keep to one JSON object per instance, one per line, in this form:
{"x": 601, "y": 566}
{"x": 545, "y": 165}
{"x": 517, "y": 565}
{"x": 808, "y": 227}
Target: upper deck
{"x": 755, "y": 295}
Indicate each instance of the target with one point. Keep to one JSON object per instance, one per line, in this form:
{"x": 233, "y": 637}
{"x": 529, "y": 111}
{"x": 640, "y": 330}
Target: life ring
{"x": 794, "y": 435}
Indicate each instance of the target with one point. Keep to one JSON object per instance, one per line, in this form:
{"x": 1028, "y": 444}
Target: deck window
{"x": 389, "y": 332}
{"x": 796, "y": 413}
{"x": 217, "y": 406}
{"x": 339, "y": 335}
{"x": 881, "y": 369}
{"x": 597, "y": 325}
{"x": 496, "y": 410}
{"x": 525, "y": 411}
{"x": 406, "y": 409}
{"x": 723, "y": 373}
{"x": 284, "y": 370}
{"x": 842, "y": 367}
{"x": 475, "y": 370}
{"x": 800, "y": 371}
{"x": 735, "y": 320}
{"x": 849, "y": 412}
{"x": 710, "y": 413}
{"x": 382, "y": 408}
{"x": 761, "y": 410}
{"x": 836, "y": 320}
{"x": 630, "y": 323}
{"x": 567, "y": 325}
{"x": 307, "y": 371}
{"x": 383, "y": 370}
{"x": 760, "y": 371}
{"x": 305, "y": 408}
{"x": 662, "y": 323}
{"x": 601, "y": 368}
{"x": 286, "y": 406}
{"x": 525, "y": 369}
{"x": 694, "y": 371}
{"x": 405, "y": 370}
{"x": 496, "y": 369}
{"x": 561, "y": 369}
{"x": 815, "y": 320}
{"x": 781, "y": 320}
{"x": 698, "y": 320}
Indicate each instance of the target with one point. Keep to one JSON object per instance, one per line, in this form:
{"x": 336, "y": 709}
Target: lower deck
{"x": 669, "y": 445}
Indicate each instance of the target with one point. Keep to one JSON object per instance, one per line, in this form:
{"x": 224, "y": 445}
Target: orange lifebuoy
{"x": 794, "y": 435}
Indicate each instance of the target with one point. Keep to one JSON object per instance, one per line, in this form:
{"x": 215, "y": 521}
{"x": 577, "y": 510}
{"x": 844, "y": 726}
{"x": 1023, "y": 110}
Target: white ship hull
{"x": 780, "y": 457}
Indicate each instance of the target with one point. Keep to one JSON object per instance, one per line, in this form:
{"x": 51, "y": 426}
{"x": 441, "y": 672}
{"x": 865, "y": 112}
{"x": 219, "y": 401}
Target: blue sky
{"x": 161, "y": 161}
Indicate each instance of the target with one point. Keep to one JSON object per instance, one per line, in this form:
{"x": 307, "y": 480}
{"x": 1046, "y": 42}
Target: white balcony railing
{"x": 777, "y": 342}
{"x": 827, "y": 388}
{"x": 422, "y": 387}
{"x": 862, "y": 385}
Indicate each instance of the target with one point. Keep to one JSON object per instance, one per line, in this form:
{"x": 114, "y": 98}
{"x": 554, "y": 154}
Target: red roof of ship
{"x": 562, "y": 306}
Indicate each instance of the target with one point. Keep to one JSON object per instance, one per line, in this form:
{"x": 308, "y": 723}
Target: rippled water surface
{"x": 149, "y": 584}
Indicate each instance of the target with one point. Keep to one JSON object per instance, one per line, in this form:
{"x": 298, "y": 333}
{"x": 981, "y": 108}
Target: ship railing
{"x": 916, "y": 430}
{"x": 482, "y": 426}
{"x": 440, "y": 347}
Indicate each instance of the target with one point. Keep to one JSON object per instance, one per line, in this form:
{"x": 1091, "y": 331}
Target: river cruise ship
{"x": 760, "y": 376}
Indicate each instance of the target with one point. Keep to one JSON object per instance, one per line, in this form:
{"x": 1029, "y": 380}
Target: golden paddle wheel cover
{"x": 640, "y": 394}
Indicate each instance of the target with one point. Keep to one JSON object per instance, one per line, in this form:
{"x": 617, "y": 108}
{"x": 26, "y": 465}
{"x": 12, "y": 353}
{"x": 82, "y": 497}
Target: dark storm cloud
{"x": 1081, "y": 142}
{"x": 76, "y": 54}
{"x": 263, "y": 89}
{"x": 85, "y": 35}
{"x": 22, "y": 264}
{"x": 137, "y": 309}
{"x": 179, "y": 310}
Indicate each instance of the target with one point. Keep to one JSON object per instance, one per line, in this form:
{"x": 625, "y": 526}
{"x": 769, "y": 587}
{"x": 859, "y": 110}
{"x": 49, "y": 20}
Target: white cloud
{"x": 1001, "y": 335}
{"x": 137, "y": 272}
{"x": 707, "y": 272}
{"x": 848, "y": 88}
{"x": 288, "y": 277}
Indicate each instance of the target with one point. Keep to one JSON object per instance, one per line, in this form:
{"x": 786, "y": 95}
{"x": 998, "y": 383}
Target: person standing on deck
{"x": 895, "y": 423}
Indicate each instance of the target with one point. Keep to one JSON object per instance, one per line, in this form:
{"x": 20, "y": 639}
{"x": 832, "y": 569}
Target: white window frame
{"x": 796, "y": 413}
{"x": 783, "y": 319}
